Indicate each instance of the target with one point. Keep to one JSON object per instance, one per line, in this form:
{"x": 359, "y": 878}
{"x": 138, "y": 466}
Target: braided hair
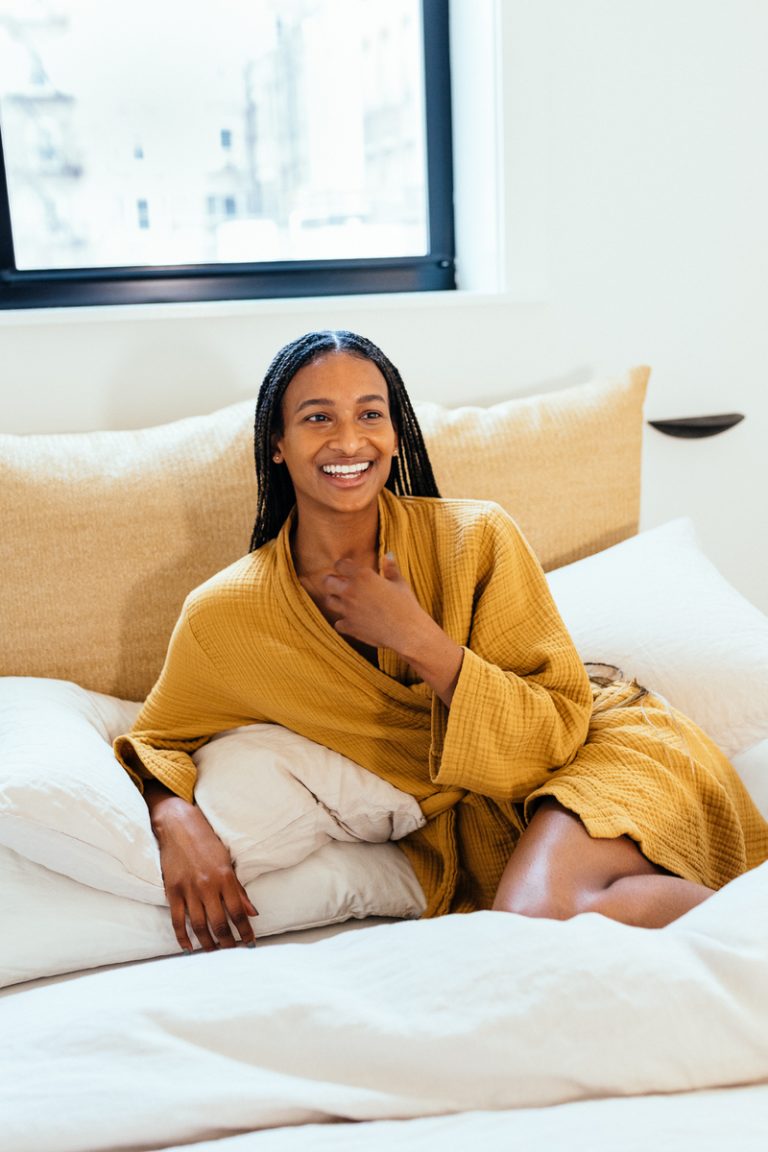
{"x": 411, "y": 473}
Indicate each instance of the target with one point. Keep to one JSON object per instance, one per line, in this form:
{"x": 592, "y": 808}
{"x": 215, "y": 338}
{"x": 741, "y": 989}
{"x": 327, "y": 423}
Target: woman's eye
{"x": 373, "y": 415}
{"x": 317, "y": 418}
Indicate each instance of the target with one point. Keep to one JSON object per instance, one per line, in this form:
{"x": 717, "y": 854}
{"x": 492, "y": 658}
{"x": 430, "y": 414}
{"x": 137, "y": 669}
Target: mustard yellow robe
{"x": 251, "y": 645}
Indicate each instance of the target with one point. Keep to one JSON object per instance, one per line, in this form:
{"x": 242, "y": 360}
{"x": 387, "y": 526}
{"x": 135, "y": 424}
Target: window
{"x": 258, "y": 148}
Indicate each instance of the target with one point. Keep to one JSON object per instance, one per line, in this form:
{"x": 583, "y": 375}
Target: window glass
{"x": 234, "y": 131}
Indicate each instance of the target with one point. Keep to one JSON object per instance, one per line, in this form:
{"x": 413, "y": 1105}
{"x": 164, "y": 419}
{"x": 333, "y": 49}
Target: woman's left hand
{"x": 380, "y": 609}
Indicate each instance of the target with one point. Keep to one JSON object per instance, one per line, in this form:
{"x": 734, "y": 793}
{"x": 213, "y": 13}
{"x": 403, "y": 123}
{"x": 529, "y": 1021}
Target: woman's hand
{"x": 199, "y": 879}
{"x": 380, "y": 609}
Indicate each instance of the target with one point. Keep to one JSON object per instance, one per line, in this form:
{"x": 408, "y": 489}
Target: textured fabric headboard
{"x": 103, "y": 534}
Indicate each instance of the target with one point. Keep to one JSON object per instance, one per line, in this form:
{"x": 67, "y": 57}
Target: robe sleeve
{"x": 191, "y": 701}
{"x": 523, "y": 700}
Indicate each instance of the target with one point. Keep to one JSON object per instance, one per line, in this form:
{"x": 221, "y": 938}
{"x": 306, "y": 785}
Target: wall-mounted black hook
{"x": 696, "y": 427}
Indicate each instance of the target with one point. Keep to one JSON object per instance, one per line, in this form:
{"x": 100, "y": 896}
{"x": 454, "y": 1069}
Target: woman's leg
{"x": 558, "y": 870}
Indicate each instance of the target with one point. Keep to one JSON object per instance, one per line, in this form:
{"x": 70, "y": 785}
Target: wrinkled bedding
{"x": 689, "y": 1121}
{"x": 484, "y": 1014}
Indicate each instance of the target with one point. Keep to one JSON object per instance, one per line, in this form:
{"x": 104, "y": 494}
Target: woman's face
{"x": 338, "y": 438}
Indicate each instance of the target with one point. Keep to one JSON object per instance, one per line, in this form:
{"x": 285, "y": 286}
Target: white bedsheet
{"x": 733, "y": 1118}
{"x": 480, "y": 1013}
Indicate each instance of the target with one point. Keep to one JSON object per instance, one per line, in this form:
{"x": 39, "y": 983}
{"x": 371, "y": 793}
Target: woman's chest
{"x": 317, "y": 591}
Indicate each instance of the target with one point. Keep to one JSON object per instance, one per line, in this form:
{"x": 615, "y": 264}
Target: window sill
{"x": 383, "y": 303}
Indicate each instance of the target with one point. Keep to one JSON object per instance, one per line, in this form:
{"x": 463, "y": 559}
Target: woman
{"x": 417, "y": 636}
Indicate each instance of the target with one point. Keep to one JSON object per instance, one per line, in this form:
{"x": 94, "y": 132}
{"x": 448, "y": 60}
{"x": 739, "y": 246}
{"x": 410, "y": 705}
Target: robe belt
{"x": 440, "y": 802}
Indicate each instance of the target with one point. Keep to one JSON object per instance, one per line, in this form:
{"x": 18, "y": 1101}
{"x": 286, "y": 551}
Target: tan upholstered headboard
{"x": 102, "y": 534}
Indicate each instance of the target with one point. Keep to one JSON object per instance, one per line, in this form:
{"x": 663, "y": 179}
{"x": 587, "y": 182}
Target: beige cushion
{"x": 102, "y": 534}
{"x": 565, "y": 464}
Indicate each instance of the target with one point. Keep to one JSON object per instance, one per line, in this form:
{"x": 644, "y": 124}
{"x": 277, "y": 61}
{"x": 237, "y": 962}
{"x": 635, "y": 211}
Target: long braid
{"x": 411, "y": 474}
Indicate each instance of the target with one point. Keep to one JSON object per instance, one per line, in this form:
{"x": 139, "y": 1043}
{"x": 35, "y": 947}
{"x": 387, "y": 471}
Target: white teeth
{"x": 346, "y": 469}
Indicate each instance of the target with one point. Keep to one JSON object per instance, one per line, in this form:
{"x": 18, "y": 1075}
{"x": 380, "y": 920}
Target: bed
{"x": 353, "y": 1023}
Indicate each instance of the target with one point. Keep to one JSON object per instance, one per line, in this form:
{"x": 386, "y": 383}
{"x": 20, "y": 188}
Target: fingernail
{"x": 187, "y": 951}
{"x": 389, "y": 555}
{"x": 251, "y": 944}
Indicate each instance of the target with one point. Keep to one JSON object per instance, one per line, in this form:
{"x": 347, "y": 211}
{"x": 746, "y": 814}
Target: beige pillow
{"x": 103, "y": 534}
{"x": 565, "y": 464}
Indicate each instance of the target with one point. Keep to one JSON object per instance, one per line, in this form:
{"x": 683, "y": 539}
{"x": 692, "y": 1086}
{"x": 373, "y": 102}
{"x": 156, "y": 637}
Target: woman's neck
{"x": 317, "y": 545}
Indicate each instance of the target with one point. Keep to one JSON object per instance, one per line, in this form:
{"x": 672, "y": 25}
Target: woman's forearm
{"x": 161, "y": 801}
{"x": 435, "y": 658}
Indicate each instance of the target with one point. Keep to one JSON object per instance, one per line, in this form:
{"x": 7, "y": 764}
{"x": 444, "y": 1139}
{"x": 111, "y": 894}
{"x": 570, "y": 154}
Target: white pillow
{"x": 62, "y": 803}
{"x": 274, "y": 797}
{"x": 54, "y": 924}
{"x": 67, "y": 804}
{"x": 752, "y": 767}
{"x": 660, "y": 610}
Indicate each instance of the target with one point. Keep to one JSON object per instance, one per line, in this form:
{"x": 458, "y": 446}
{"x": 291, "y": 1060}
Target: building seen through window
{"x": 198, "y": 134}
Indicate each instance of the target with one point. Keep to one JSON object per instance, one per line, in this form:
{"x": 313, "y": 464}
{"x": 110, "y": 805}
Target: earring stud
{"x": 277, "y": 457}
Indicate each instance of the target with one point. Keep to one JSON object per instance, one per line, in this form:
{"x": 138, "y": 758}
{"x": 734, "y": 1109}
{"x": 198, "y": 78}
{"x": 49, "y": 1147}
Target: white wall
{"x": 616, "y": 150}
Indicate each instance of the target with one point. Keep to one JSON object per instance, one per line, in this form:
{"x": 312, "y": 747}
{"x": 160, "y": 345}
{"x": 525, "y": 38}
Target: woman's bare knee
{"x": 536, "y": 904}
{"x": 537, "y": 881}
{"x": 558, "y": 870}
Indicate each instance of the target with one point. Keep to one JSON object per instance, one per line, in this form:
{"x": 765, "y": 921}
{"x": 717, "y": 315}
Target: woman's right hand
{"x": 199, "y": 878}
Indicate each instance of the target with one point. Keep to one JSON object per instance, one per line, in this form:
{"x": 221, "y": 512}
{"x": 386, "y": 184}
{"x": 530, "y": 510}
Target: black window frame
{"x": 435, "y": 271}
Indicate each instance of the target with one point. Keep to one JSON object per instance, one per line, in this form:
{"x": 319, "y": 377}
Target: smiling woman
{"x": 418, "y": 637}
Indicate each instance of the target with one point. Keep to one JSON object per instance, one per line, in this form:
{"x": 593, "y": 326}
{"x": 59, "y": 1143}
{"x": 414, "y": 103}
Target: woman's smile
{"x": 348, "y": 475}
{"x": 349, "y": 470}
